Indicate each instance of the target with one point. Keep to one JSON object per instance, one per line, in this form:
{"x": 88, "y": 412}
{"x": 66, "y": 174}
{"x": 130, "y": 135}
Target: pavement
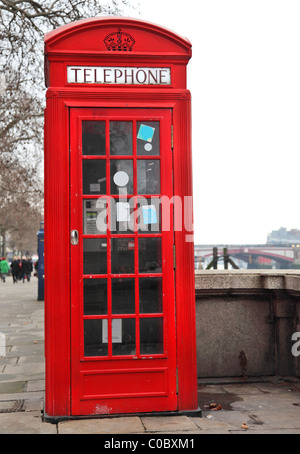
{"x": 260, "y": 405}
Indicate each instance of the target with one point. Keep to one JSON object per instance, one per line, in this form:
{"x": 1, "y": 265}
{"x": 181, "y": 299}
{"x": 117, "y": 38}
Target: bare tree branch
{"x": 23, "y": 24}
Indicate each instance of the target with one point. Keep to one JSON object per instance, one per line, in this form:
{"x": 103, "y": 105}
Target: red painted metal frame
{"x": 75, "y": 44}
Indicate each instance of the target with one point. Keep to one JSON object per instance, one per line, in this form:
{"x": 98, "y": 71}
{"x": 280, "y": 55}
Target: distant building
{"x": 283, "y": 236}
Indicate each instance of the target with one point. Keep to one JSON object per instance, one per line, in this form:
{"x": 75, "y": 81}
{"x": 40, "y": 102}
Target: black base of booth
{"x": 56, "y": 419}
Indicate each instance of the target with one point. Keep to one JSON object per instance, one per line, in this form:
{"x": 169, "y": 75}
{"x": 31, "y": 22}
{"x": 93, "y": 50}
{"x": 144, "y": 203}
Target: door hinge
{"x": 172, "y": 137}
{"x": 174, "y": 257}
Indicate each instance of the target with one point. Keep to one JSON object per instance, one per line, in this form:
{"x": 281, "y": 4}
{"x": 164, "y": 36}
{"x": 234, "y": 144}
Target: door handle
{"x": 74, "y": 237}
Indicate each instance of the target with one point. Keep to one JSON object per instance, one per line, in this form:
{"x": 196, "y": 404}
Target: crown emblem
{"x": 119, "y": 41}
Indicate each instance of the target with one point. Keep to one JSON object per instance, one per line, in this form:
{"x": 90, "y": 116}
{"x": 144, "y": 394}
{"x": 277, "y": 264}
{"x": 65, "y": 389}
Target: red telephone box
{"x": 119, "y": 254}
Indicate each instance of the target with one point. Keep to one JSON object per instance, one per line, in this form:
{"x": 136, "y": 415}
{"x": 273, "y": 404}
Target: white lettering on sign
{"x": 118, "y": 75}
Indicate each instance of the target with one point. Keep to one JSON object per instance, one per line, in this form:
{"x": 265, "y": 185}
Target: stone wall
{"x": 245, "y": 321}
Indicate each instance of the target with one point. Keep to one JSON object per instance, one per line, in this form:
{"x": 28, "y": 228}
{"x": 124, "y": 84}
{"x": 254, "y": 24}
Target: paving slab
{"x": 36, "y": 385}
{"x": 11, "y": 406}
{"x": 33, "y": 359}
{"x": 267, "y": 411}
{"x": 12, "y": 387}
{"x": 24, "y": 423}
{"x": 29, "y": 370}
{"x": 271, "y": 388}
{"x": 211, "y": 389}
{"x": 269, "y": 432}
{"x": 120, "y": 425}
{"x": 25, "y": 395}
{"x": 236, "y": 419}
{"x": 212, "y": 425}
{"x": 247, "y": 389}
{"x": 168, "y": 423}
{"x": 33, "y": 404}
{"x": 27, "y": 350}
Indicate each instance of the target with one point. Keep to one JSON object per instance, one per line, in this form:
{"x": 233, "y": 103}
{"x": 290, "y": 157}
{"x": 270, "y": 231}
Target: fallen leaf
{"x": 217, "y": 408}
{"x": 244, "y": 426}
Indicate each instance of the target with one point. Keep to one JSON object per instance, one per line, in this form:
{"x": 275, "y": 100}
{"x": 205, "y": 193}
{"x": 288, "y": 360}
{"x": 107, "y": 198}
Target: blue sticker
{"x": 146, "y": 133}
{"x": 149, "y": 214}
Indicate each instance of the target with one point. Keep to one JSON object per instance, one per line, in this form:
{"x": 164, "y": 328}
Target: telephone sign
{"x": 118, "y": 75}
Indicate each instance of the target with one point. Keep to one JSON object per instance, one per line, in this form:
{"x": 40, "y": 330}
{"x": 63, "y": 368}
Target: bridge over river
{"x": 284, "y": 256}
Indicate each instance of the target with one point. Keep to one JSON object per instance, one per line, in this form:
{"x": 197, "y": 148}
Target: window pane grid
{"x": 120, "y": 332}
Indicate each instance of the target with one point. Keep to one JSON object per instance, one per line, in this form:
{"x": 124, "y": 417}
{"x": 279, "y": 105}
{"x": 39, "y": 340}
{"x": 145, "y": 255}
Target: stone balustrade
{"x": 245, "y": 322}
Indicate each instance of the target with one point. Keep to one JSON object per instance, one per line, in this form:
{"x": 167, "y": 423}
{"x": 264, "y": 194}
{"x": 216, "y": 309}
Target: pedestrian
{"x": 20, "y": 268}
{"x": 29, "y": 268}
{"x": 4, "y": 268}
{"x": 23, "y": 268}
{"x": 15, "y": 269}
{"x": 36, "y": 268}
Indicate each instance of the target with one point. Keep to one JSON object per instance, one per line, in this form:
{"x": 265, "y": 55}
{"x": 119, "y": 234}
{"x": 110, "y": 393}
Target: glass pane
{"x": 93, "y": 138}
{"x": 122, "y": 215}
{"x": 123, "y": 334}
{"x": 148, "y": 138}
{"x": 93, "y": 176}
{"x": 149, "y": 215}
{"x": 148, "y": 176}
{"x": 150, "y": 255}
{"x": 122, "y": 255}
{"x": 120, "y": 133}
{"x": 95, "y": 296}
{"x": 94, "y": 256}
{"x": 121, "y": 176}
{"x": 123, "y": 299}
{"x": 151, "y": 336}
{"x": 150, "y": 295}
{"x": 94, "y": 344}
{"x": 94, "y": 216}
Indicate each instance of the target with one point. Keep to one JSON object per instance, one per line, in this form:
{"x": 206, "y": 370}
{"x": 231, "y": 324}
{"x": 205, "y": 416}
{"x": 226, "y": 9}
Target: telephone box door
{"x": 123, "y": 347}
